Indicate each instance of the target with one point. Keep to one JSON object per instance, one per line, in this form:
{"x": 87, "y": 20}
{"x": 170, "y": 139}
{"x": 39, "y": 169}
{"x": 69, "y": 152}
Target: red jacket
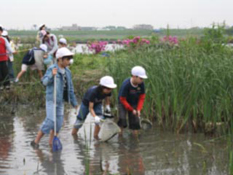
{"x": 3, "y": 53}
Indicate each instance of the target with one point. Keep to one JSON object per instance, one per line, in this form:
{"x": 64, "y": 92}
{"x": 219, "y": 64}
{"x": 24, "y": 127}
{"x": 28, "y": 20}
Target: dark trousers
{"x": 4, "y": 76}
{"x": 133, "y": 120}
{"x": 11, "y": 70}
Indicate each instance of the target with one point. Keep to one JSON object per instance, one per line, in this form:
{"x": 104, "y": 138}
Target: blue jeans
{"x": 48, "y": 123}
{"x": 11, "y": 70}
{"x": 83, "y": 112}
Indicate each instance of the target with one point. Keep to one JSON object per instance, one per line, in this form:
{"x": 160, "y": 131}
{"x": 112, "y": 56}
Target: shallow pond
{"x": 154, "y": 152}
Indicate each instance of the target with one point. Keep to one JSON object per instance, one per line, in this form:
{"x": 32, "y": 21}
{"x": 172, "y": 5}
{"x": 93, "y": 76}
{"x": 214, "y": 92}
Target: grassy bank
{"x": 86, "y": 71}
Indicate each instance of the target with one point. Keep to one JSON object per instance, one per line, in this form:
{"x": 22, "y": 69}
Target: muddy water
{"x": 154, "y": 152}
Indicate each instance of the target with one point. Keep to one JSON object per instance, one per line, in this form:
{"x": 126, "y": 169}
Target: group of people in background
{"x": 58, "y": 57}
{"x": 35, "y": 58}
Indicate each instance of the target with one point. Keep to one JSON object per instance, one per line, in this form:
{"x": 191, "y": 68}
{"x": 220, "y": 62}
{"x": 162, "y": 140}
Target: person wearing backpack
{"x": 5, "y": 49}
{"x": 33, "y": 59}
{"x": 50, "y": 40}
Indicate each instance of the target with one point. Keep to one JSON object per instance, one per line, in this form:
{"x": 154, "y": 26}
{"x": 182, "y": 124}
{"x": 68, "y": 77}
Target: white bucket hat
{"x": 63, "y": 41}
{"x": 44, "y": 47}
{"x": 4, "y": 33}
{"x": 63, "y": 52}
{"x": 41, "y": 25}
{"x": 107, "y": 81}
{"x": 139, "y": 71}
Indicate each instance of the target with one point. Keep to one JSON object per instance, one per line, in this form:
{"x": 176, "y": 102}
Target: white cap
{"x": 63, "y": 52}
{"x": 44, "y": 47}
{"x": 41, "y": 26}
{"x": 108, "y": 82}
{"x": 139, "y": 71}
{"x": 63, "y": 41}
{"x": 4, "y": 33}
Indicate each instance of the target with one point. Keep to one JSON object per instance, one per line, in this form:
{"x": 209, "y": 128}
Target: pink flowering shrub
{"x": 170, "y": 39}
{"x": 97, "y": 46}
{"x": 135, "y": 42}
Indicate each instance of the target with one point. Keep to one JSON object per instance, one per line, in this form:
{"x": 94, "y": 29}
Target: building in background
{"x": 143, "y": 27}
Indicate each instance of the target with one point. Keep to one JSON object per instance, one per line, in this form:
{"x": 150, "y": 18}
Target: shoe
{"x": 16, "y": 80}
{"x": 34, "y": 145}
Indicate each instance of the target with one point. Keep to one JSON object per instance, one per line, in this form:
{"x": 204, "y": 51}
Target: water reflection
{"x": 82, "y": 48}
{"x": 6, "y": 130}
{"x": 130, "y": 159}
{"x": 154, "y": 152}
{"x": 110, "y": 158}
{"x": 50, "y": 163}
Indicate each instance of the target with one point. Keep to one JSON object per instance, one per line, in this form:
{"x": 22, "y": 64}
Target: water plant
{"x": 188, "y": 87}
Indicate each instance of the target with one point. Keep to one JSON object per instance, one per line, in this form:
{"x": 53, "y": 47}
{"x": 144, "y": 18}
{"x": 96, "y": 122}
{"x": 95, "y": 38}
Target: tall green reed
{"x": 188, "y": 86}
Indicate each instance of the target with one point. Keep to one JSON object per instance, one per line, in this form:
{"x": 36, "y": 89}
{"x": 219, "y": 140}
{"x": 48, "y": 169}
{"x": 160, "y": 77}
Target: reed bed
{"x": 189, "y": 86}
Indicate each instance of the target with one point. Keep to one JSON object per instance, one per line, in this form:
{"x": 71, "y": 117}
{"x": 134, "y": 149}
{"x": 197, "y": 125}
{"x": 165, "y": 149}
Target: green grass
{"x": 188, "y": 85}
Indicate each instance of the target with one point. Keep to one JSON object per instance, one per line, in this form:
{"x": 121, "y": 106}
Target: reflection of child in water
{"x": 124, "y": 158}
{"x": 51, "y": 163}
{"x": 130, "y": 160}
{"x": 5, "y": 147}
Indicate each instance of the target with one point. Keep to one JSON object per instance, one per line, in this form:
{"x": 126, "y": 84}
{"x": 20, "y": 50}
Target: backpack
{"x": 29, "y": 58}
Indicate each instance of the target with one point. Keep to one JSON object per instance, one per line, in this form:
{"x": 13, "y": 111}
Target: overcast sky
{"x": 23, "y": 14}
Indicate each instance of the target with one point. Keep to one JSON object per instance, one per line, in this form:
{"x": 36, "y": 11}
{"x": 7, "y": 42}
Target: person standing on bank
{"x": 92, "y": 102}
{"x": 41, "y": 33}
{"x": 65, "y": 92}
{"x": 10, "y": 56}
{"x": 50, "y": 40}
{"x": 131, "y": 98}
{"x": 5, "y": 49}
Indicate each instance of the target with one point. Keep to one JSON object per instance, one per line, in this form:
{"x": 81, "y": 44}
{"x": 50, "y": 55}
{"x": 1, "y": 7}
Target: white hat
{"x": 63, "y": 52}
{"x": 44, "y": 47}
{"x": 139, "y": 71}
{"x": 108, "y": 82}
{"x": 63, "y": 41}
{"x": 41, "y": 25}
{"x": 4, "y": 33}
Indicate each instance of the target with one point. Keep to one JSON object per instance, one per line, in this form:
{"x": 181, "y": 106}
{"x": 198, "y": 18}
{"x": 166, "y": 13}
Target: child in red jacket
{"x": 131, "y": 98}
